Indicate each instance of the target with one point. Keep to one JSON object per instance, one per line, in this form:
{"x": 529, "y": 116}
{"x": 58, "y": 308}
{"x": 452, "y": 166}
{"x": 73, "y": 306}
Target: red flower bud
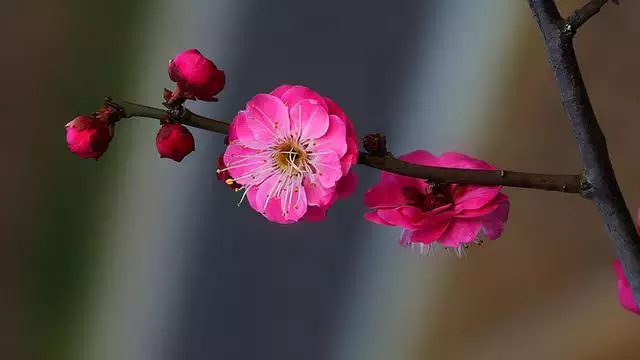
{"x": 196, "y": 75}
{"x": 174, "y": 141}
{"x": 88, "y": 137}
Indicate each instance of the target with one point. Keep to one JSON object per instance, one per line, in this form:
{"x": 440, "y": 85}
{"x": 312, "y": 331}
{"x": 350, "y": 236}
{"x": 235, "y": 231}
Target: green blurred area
{"x": 95, "y": 50}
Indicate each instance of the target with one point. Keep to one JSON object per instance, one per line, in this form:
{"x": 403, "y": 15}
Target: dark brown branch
{"x": 599, "y": 175}
{"x": 564, "y": 183}
{"x": 561, "y": 183}
{"x": 582, "y": 15}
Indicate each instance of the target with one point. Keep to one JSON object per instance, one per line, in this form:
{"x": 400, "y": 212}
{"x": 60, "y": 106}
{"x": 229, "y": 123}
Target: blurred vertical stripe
{"x": 61, "y": 59}
{"x": 445, "y": 104}
{"x": 136, "y": 300}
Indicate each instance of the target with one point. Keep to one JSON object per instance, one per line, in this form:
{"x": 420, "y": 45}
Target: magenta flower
{"x": 451, "y": 215}
{"x": 88, "y": 137}
{"x": 291, "y": 151}
{"x": 174, "y": 141}
{"x": 625, "y": 295}
{"x": 196, "y": 76}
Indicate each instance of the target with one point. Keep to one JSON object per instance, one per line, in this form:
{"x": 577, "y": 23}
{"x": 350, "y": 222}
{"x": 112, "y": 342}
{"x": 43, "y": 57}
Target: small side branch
{"x": 560, "y": 183}
{"x": 582, "y": 15}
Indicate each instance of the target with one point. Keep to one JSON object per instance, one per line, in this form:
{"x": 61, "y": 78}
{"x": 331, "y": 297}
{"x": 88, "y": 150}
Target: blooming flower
{"x": 292, "y": 151}
{"x": 451, "y": 215}
{"x": 88, "y": 137}
{"x": 625, "y": 295}
{"x": 174, "y": 141}
{"x": 196, "y": 76}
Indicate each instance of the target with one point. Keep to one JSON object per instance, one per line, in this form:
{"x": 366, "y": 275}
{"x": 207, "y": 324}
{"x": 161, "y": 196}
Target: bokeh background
{"x": 135, "y": 257}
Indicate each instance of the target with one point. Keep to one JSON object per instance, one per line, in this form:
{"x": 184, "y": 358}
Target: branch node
{"x": 118, "y": 110}
{"x": 586, "y": 188}
{"x": 568, "y": 29}
{"x": 177, "y": 113}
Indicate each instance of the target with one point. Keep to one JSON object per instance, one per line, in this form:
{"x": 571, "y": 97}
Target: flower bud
{"x": 174, "y": 141}
{"x": 375, "y": 144}
{"x": 196, "y": 76}
{"x": 88, "y": 137}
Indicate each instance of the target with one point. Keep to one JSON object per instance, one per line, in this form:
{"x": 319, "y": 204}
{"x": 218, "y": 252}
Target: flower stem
{"x": 561, "y": 183}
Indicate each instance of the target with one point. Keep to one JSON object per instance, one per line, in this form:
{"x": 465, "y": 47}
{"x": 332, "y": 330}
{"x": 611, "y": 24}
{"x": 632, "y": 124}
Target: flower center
{"x": 435, "y": 197}
{"x": 290, "y": 156}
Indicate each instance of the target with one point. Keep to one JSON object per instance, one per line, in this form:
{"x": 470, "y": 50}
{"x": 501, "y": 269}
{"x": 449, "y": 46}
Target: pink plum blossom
{"x": 451, "y": 215}
{"x": 625, "y": 295}
{"x": 292, "y": 152}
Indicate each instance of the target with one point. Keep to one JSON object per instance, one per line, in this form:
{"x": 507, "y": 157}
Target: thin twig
{"x": 583, "y": 14}
{"x": 598, "y": 170}
{"x": 561, "y": 183}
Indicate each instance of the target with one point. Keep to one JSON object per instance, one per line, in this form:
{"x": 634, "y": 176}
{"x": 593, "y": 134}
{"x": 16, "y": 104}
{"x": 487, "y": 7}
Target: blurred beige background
{"x": 559, "y": 302}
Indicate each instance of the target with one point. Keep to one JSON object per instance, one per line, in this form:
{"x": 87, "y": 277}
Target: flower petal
{"x": 351, "y": 156}
{"x": 309, "y": 120}
{"x": 429, "y": 232}
{"x": 462, "y": 161}
{"x": 625, "y": 294}
{"x": 294, "y": 204}
{"x": 346, "y": 186}
{"x": 270, "y": 202}
{"x": 470, "y": 197}
{"x": 384, "y": 195}
{"x": 318, "y": 195}
{"x": 399, "y": 181}
{"x": 460, "y": 231}
{"x": 334, "y": 138}
{"x": 267, "y": 117}
{"x": 334, "y": 109}
{"x": 481, "y": 211}
{"x": 493, "y": 223}
{"x": 420, "y": 157}
{"x": 375, "y": 218}
{"x": 296, "y": 93}
{"x": 240, "y": 133}
{"x": 280, "y": 90}
{"x": 398, "y": 217}
{"x": 315, "y": 213}
{"x": 267, "y": 192}
{"x": 328, "y": 170}
{"x": 242, "y": 161}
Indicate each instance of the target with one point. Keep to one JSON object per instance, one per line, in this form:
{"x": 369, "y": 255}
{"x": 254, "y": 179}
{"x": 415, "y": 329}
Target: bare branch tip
{"x": 580, "y": 16}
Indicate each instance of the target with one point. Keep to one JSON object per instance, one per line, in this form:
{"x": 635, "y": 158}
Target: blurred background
{"x": 135, "y": 257}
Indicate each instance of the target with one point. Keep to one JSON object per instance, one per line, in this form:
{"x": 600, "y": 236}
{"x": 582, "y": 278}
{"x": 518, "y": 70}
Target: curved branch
{"x": 604, "y": 190}
{"x": 561, "y": 183}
